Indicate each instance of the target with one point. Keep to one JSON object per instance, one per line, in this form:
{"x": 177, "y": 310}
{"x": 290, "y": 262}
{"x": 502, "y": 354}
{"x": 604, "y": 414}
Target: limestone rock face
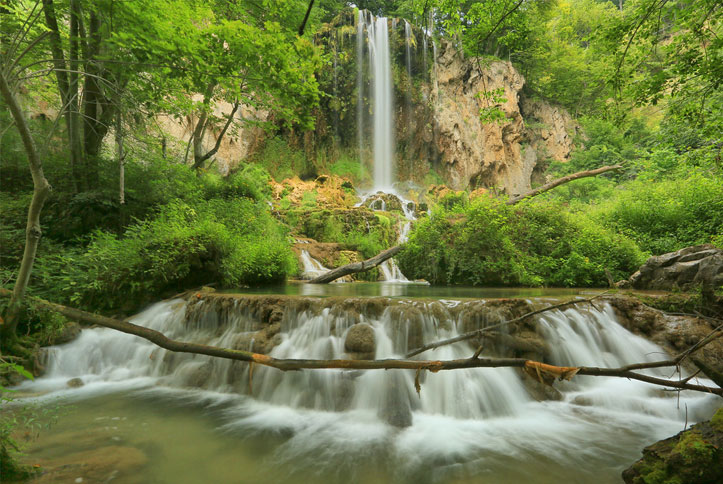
{"x": 503, "y": 154}
{"x": 700, "y": 265}
{"x": 238, "y": 143}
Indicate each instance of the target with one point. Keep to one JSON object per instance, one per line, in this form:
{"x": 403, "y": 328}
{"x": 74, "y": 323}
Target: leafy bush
{"x": 283, "y": 161}
{"x": 229, "y": 242}
{"x": 489, "y": 243}
{"x": 668, "y": 215}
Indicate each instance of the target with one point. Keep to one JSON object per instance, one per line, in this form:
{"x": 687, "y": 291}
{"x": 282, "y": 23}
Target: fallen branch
{"x": 478, "y": 332}
{"x": 406, "y": 364}
{"x": 561, "y": 181}
{"x": 355, "y": 267}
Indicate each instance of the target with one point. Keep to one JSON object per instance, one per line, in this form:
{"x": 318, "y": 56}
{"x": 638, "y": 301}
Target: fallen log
{"x": 561, "y": 181}
{"x": 355, "y": 267}
{"x": 432, "y": 365}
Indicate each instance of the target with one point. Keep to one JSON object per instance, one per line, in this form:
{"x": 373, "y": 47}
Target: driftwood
{"x": 561, "y": 181}
{"x": 541, "y": 369}
{"x": 355, "y": 267}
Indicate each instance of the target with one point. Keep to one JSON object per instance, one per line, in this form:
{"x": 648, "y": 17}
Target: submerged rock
{"x": 396, "y": 408}
{"x": 694, "y": 456}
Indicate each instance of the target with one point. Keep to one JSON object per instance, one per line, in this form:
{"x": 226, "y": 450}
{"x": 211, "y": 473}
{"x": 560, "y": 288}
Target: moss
{"x": 695, "y": 450}
{"x": 717, "y": 421}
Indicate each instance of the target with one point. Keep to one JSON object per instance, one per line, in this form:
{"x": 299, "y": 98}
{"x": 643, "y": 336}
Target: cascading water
{"x": 472, "y": 421}
{"x": 312, "y": 267}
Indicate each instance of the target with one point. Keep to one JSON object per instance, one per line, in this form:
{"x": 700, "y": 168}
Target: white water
{"x": 377, "y": 31}
{"x": 470, "y": 420}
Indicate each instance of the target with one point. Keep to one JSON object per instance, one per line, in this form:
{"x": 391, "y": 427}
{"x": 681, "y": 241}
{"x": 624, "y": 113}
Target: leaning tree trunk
{"x": 561, "y": 181}
{"x": 41, "y": 190}
{"x": 355, "y": 267}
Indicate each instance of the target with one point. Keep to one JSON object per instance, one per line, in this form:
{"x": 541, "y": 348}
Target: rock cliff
{"x": 437, "y": 105}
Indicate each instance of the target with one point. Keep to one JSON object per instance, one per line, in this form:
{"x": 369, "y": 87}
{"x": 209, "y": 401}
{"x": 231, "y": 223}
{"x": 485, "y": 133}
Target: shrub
{"x": 229, "y": 242}
{"x": 489, "y": 243}
{"x": 669, "y": 215}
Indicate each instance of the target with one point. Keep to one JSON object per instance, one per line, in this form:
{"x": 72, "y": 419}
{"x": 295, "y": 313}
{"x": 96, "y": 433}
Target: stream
{"x": 145, "y": 415}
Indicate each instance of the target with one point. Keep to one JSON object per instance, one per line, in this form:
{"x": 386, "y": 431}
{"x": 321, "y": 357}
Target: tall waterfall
{"x": 377, "y": 30}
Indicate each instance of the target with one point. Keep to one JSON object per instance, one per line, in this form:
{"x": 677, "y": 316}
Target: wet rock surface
{"x": 360, "y": 341}
{"x": 694, "y": 456}
{"x": 675, "y": 333}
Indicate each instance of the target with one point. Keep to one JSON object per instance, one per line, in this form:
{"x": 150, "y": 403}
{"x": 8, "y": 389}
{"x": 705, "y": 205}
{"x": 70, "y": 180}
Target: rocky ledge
{"x": 685, "y": 269}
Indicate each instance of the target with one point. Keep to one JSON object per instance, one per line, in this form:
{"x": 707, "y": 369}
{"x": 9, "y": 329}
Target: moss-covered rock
{"x": 694, "y": 456}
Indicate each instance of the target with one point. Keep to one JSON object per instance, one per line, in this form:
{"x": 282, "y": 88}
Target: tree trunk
{"x": 121, "y": 156}
{"x": 61, "y": 76}
{"x": 561, "y": 181}
{"x": 41, "y": 190}
{"x": 355, "y": 267}
{"x": 74, "y": 135}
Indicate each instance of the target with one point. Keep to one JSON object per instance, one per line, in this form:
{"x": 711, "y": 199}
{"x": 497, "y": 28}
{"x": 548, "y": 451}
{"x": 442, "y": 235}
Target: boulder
{"x": 360, "y": 341}
{"x": 700, "y": 265}
{"x": 384, "y": 201}
{"x": 75, "y": 383}
{"x": 694, "y": 456}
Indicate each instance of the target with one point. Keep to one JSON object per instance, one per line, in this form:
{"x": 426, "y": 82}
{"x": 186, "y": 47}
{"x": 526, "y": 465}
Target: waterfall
{"x": 377, "y": 30}
{"x": 470, "y": 418}
{"x": 312, "y": 267}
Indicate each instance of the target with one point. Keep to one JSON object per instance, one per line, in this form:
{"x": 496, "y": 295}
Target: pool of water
{"x": 159, "y": 436}
{"x": 413, "y": 290}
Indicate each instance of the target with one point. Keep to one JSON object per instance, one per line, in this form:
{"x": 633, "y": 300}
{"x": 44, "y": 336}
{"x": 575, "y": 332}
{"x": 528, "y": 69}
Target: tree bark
{"x": 74, "y": 135}
{"x": 121, "y": 156}
{"x": 41, "y": 190}
{"x": 355, "y": 267}
{"x": 561, "y": 181}
{"x": 199, "y": 157}
{"x": 542, "y": 370}
{"x": 61, "y": 76}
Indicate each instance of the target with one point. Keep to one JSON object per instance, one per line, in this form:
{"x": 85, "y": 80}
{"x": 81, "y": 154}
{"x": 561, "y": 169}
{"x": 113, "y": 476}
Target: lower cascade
{"x": 462, "y": 423}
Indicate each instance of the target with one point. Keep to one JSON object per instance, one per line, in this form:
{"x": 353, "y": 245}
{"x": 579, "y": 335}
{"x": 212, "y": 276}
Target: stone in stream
{"x": 360, "y": 342}
{"x": 75, "y": 383}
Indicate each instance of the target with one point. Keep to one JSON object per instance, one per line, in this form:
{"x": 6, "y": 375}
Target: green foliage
{"x": 668, "y": 215}
{"x": 230, "y": 242}
{"x": 489, "y": 243}
{"x": 358, "y": 230}
{"x": 250, "y": 181}
{"x": 282, "y": 161}
{"x": 491, "y": 111}
{"x": 349, "y": 167}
